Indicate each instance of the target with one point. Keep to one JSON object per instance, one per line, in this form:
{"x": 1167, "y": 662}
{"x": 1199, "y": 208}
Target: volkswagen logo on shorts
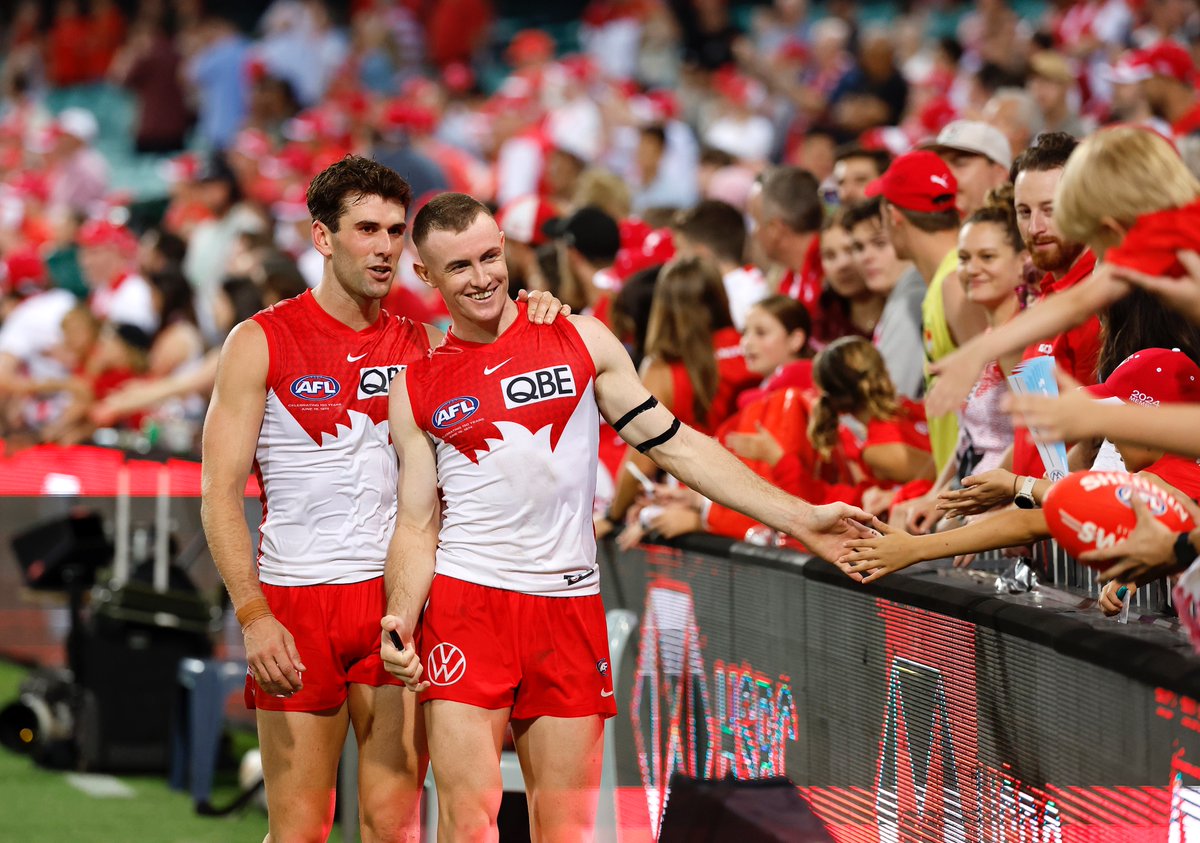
{"x": 446, "y": 664}
{"x": 455, "y": 410}
{"x": 315, "y": 387}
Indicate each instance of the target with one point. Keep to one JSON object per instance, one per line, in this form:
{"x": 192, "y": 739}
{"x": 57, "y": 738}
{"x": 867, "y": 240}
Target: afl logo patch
{"x": 1155, "y": 503}
{"x": 446, "y": 664}
{"x": 315, "y": 387}
{"x": 454, "y": 411}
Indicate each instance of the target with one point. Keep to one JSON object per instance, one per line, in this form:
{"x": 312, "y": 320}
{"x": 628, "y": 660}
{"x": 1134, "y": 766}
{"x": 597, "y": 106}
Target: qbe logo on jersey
{"x": 377, "y": 380}
{"x": 537, "y": 386}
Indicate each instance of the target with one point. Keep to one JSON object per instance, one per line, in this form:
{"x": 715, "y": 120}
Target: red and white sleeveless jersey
{"x": 325, "y": 459}
{"x": 516, "y": 431}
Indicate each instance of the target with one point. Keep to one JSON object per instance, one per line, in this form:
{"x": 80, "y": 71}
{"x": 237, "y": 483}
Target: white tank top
{"x": 324, "y": 458}
{"x": 516, "y": 431}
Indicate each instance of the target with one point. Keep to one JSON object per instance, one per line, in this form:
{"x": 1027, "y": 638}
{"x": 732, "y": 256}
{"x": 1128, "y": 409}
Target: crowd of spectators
{"x": 827, "y": 240}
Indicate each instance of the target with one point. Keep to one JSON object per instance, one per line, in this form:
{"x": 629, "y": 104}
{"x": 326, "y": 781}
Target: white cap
{"x": 78, "y": 123}
{"x": 576, "y": 129}
{"x": 975, "y": 137}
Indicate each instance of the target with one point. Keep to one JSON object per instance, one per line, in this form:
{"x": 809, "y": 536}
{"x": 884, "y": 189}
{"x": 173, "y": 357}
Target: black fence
{"x": 924, "y": 707}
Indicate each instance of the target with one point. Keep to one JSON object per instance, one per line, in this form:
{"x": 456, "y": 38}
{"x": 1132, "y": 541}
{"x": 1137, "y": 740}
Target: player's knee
{"x": 467, "y": 819}
{"x": 391, "y": 817}
{"x": 300, "y": 820}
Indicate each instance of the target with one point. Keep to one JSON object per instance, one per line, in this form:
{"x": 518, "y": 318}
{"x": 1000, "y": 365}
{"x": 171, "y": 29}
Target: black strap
{"x": 661, "y": 438}
{"x": 649, "y": 404}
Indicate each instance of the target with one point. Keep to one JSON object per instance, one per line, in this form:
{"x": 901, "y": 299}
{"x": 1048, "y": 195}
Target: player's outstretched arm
{"x": 410, "y": 556}
{"x": 959, "y": 370}
{"x": 895, "y": 550}
{"x": 231, "y": 432}
{"x": 699, "y": 461}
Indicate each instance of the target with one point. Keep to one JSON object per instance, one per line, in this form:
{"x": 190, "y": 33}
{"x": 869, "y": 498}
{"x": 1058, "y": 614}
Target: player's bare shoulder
{"x": 245, "y": 352}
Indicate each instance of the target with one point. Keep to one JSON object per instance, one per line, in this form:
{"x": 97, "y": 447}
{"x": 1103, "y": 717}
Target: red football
{"x": 1091, "y": 510}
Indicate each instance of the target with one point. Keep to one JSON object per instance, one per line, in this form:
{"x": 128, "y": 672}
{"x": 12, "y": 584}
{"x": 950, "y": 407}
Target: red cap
{"x": 24, "y": 273}
{"x": 408, "y": 116}
{"x": 919, "y": 182}
{"x": 1166, "y": 58}
{"x": 522, "y": 219}
{"x": 105, "y": 233}
{"x": 1151, "y": 377}
{"x": 642, "y": 247}
{"x": 458, "y": 77}
{"x": 529, "y": 45}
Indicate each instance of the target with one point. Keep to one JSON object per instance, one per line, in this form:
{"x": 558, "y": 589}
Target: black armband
{"x": 649, "y": 404}
{"x": 645, "y": 447}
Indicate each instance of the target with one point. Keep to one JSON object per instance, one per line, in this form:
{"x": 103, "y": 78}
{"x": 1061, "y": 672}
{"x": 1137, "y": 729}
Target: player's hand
{"x": 1067, "y": 418}
{"x": 1112, "y": 597}
{"x": 956, "y": 373}
{"x": 544, "y": 308}
{"x": 979, "y": 493}
{"x": 760, "y": 446}
{"x": 1180, "y": 294}
{"x": 872, "y": 558}
{"x": 1147, "y": 555}
{"x": 272, "y": 656}
{"x": 824, "y": 529}
{"x": 402, "y": 662}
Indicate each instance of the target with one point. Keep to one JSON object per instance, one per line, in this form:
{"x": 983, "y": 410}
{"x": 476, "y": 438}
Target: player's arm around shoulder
{"x": 231, "y": 431}
{"x": 410, "y": 558}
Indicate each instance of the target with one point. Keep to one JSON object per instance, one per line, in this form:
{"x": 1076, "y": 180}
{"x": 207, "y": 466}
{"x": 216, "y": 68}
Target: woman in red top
{"x": 770, "y": 422}
{"x": 883, "y": 434}
{"x": 693, "y": 365}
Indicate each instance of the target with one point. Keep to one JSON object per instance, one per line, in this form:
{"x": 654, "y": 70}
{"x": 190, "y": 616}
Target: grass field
{"x": 41, "y": 806}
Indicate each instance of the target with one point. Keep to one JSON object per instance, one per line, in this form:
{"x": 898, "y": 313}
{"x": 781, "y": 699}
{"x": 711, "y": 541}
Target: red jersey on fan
{"x": 805, "y": 284}
{"x": 1076, "y": 352}
{"x": 732, "y": 378}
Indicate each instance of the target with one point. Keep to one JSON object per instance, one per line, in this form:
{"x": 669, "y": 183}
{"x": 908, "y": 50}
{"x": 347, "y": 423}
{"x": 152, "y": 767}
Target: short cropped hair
{"x": 344, "y": 182}
{"x": 1049, "y": 151}
{"x": 718, "y": 225}
{"x": 793, "y": 195}
{"x": 446, "y": 212}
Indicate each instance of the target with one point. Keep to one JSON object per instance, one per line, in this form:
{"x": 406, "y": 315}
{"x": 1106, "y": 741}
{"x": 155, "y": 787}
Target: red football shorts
{"x": 337, "y": 630}
{"x": 492, "y": 648}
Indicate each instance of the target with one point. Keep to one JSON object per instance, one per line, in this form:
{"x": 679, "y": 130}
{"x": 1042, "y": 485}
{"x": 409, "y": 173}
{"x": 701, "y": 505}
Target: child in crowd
{"x": 882, "y": 434}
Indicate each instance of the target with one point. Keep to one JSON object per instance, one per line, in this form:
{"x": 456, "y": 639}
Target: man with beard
{"x": 1036, "y": 174}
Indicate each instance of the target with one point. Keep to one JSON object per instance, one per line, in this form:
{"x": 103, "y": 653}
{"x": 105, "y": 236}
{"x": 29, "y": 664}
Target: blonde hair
{"x": 1121, "y": 173}
{"x": 852, "y": 378}
{"x": 604, "y": 189}
{"x": 689, "y": 306}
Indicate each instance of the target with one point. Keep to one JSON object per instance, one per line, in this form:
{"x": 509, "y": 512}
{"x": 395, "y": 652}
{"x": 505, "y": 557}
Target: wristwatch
{"x": 1024, "y": 498}
{"x": 1185, "y": 554}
